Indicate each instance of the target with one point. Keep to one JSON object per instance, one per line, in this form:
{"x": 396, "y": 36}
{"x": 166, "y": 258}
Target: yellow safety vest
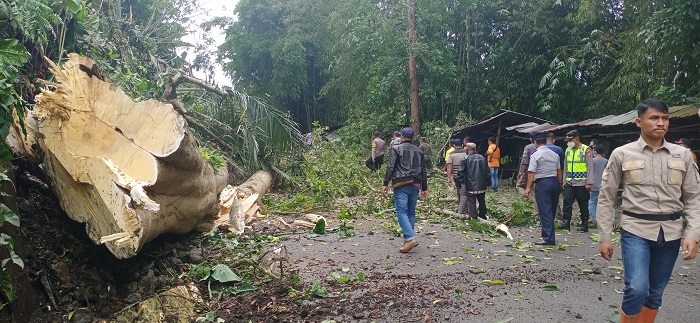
{"x": 576, "y": 167}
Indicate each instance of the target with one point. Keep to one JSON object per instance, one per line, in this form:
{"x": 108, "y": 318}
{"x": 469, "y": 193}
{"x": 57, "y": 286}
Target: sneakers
{"x": 408, "y": 245}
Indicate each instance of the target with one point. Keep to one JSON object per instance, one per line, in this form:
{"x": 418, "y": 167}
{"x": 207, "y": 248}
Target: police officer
{"x": 544, "y": 168}
{"x": 660, "y": 181}
{"x": 578, "y": 179}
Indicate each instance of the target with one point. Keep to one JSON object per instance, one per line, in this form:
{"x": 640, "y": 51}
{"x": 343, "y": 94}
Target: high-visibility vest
{"x": 576, "y": 167}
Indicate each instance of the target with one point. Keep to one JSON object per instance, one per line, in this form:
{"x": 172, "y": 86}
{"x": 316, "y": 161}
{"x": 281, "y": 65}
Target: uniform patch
{"x": 675, "y": 155}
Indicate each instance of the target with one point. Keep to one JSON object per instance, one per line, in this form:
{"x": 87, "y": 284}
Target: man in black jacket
{"x": 408, "y": 174}
{"x": 473, "y": 175}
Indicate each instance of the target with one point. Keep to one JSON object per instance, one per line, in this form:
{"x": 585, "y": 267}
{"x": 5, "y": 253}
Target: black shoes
{"x": 565, "y": 225}
{"x": 544, "y": 243}
{"x": 583, "y": 227}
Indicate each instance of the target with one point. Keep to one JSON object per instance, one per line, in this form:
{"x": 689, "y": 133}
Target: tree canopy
{"x": 338, "y": 61}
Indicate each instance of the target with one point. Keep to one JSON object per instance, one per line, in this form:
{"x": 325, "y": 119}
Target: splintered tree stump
{"x": 129, "y": 171}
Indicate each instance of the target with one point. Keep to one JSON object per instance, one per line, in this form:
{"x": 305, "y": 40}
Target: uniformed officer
{"x": 544, "y": 169}
{"x": 660, "y": 183}
{"x": 578, "y": 179}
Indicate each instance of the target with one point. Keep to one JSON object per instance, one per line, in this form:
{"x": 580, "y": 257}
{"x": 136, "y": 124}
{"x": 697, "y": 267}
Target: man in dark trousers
{"x": 578, "y": 179}
{"x": 407, "y": 172}
{"x": 427, "y": 153}
{"x": 452, "y": 165}
{"x": 545, "y": 170}
{"x": 375, "y": 161}
{"x": 660, "y": 185}
{"x": 560, "y": 152}
{"x": 472, "y": 180}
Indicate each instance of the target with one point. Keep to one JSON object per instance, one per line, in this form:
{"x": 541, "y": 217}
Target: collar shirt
{"x": 544, "y": 163}
{"x": 660, "y": 182}
{"x": 527, "y": 152}
{"x": 378, "y": 147}
{"x": 455, "y": 158}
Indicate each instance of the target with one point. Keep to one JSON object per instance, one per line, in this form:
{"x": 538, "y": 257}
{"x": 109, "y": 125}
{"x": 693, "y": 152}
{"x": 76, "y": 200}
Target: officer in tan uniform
{"x": 660, "y": 185}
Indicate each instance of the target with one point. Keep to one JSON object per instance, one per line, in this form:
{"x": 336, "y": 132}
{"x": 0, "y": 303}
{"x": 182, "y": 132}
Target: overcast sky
{"x": 210, "y": 9}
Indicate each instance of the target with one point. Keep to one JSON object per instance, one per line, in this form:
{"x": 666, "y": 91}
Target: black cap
{"x": 539, "y": 136}
{"x": 407, "y": 133}
{"x": 572, "y": 134}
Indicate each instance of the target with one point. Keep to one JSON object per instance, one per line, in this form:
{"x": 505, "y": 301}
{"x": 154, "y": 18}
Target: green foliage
{"x": 493, "y": 210}
{"x": 331, "y": 171}
{"x": 213, "y": 158}
{"x": 392, "y": 227}
{"x": 521, "y": 213}
{"x": 32, "y": 19}
{"x": 316, "y": 289}
{"x": 346, "y": 213}
{"x": 320, "y": 227}
{"x": 345, "y": 230}
{"x": 12, "y": 53}
{"x": 481, "y": 227}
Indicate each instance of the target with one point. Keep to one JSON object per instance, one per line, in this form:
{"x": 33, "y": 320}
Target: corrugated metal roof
{"x": 682, "y": 111}
{"x": 524, "y": 125}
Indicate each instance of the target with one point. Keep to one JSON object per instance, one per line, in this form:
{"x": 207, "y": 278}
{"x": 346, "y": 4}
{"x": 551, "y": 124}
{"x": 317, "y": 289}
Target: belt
{"x": 655, "y": 217}
{"x": 539, "y": 179}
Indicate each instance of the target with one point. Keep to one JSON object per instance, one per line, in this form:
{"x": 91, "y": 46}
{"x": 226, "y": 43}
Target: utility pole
{"x": 412, "y": 70}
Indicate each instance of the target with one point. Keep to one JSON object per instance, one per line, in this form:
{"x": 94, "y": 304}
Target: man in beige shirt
{"x": 660, "y": 184}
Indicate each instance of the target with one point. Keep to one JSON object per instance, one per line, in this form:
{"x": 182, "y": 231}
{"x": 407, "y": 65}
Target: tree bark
{"x": 235, "y": 202}
{"x": 412, "y": 69}
{"x": 129, "y": 171}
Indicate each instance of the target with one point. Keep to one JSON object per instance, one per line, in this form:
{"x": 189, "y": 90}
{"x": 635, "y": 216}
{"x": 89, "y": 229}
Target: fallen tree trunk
{"x": 235, "y": 203}
{"x": 129, "y": 171}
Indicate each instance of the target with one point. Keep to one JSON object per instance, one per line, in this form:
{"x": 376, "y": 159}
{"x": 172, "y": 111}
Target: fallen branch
{"x": 442, "y": 211}
{"x": 370, "y": 185}
{"x": 256, "y": 265}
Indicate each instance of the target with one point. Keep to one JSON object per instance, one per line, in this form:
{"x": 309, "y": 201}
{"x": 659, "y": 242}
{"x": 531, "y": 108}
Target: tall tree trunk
{"x": 413, "y": 74}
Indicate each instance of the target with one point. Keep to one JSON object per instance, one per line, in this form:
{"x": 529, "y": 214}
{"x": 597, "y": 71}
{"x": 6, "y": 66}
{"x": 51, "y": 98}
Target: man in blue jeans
{"x": 407, "y": 171}
{"x": 660, "y": 184}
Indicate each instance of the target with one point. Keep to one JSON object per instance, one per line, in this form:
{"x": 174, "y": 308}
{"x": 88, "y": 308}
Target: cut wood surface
{"x": 239, "y": 205}
{"x": 130, "y": 171}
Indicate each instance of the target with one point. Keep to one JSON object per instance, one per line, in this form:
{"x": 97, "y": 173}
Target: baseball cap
{"x": 539, "y": 135}
{"x": 572, "y": 134}
{"x": 407, "y": 132}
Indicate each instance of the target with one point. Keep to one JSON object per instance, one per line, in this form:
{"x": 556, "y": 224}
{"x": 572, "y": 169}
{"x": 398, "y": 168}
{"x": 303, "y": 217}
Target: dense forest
{"x": 339, "y": 61}
{"x": 561, "y": 60}
{"x": 303, "y": 65}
